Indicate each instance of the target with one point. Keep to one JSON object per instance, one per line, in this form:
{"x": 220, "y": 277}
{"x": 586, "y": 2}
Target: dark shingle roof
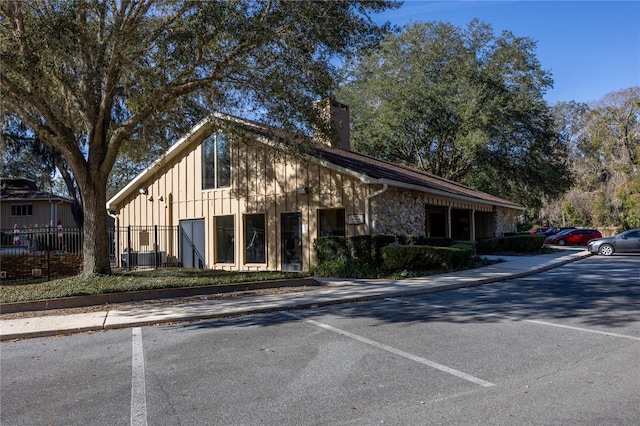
{"x": 24, "y": 189}
{"x": 378, "y": 169}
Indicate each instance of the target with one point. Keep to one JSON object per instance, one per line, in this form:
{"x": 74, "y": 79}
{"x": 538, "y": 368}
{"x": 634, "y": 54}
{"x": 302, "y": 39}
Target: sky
{"x": 591, "y": 48}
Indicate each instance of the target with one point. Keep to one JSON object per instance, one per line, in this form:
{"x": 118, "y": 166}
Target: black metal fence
{"x": 145, "y": 247}
{"x": 45, "y": 253}
{"x": 38, "y": 239}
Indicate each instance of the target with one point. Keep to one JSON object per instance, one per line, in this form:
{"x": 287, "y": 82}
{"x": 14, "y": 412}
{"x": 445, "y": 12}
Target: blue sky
{"x": 591, "y": 47}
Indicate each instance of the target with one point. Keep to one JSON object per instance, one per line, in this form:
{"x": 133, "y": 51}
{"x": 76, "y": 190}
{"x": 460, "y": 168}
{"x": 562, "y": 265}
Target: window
{"x": 216, "y": 161}
{"x": 254, "y": 237}
{"x": 21, "y": 210}
{"x": 331, "y": 223}
{"x": 224, "y": 239}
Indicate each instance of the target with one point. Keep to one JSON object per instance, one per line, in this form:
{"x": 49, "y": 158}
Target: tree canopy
{"x": 604, "y": 139}
{"x": 94, "y": 77}
{"x": 463, "y": 104}
{"x": 24, "y": 154}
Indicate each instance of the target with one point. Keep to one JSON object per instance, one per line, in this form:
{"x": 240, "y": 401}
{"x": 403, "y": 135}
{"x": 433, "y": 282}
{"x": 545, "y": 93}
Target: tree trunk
{"x": 95, "y": 247}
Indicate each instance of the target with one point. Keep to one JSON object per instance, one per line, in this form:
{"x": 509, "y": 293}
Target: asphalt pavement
{"x": 333, "y": 291}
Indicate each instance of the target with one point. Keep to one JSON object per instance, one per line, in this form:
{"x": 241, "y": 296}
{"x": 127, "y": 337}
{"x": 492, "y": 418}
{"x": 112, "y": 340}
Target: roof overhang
{"x": 169, "y": 155}
{"x": 397, "y": 184}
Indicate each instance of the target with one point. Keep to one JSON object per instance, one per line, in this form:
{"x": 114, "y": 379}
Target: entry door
{"x": 291, "y": 241}
{"x": 192, "y": 243}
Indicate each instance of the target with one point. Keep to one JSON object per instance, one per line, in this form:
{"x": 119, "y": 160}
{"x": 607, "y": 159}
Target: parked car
{"x": 555, "y": 229}
{"x": 539, "y": 230}
{"x": 625, "y": 242}
{"x": 573, "y": 237}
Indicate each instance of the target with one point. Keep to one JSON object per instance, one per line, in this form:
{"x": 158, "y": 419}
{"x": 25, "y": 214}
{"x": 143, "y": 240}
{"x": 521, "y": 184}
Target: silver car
{"x": 625, "y": 242}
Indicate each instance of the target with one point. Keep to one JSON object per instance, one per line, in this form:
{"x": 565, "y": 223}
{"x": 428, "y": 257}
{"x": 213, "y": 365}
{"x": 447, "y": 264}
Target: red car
{"x": 540, "y": 230}
{"x": 573, "y": 237}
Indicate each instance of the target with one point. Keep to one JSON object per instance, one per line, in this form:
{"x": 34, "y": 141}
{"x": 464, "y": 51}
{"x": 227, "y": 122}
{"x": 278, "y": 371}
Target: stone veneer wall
{"x": 397, "y": 212}
{"x": 402, "y": 212}
{"x": 505, "y": 221}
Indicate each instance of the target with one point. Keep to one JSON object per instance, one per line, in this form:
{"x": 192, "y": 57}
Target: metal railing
{"x": 45, "y": 253}
{"x": 145, "y": 247}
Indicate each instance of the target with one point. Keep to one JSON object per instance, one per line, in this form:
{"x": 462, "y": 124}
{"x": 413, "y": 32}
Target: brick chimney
{"x": 338, "y": 113}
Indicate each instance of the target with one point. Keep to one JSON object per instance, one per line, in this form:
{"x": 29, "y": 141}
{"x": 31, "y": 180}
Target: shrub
{"x": 426, "y": 257}
{"x": 363, "y": 250}
{"x": 524, "y": 243}
{"x": 366, "y": 255}
{"x": 421, "y": 240}
{"x": 331, "y": 249}
{"x": 343, "y": 268}
{"x": 491, "y": 245}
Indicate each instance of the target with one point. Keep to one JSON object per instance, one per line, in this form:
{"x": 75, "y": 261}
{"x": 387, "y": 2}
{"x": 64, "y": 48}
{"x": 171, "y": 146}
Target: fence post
{"x": 155, "y": 246}
{"x": 129, "y": 247}
{"x": 49, "y": 254}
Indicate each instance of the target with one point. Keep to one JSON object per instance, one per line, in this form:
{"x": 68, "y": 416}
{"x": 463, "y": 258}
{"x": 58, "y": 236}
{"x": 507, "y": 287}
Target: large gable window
{"x": 216, "y": 161}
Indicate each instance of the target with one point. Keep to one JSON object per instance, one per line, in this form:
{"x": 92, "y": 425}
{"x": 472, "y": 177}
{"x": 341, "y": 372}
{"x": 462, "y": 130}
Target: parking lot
{"x": 559, "y": 347}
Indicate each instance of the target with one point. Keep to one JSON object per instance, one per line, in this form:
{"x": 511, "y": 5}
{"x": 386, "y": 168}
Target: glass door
{"x": 291, "y": 241}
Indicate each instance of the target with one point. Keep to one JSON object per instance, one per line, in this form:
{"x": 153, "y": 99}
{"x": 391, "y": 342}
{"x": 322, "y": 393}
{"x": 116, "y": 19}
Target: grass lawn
{"x": 179, "y": 277}
{"x": 135, "y": 280}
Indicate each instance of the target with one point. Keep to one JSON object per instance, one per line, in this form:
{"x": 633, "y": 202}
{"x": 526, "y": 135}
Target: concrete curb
{"x": 151, "y": 294}
{"x": 102, "y": 319}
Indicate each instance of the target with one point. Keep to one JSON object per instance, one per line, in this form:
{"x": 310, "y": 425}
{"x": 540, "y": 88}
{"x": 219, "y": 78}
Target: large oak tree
{"x": 94, "y": 77}
{"x": 461, "y": 103}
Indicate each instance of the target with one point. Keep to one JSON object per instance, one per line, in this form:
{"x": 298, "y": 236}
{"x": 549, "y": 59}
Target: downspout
{"x": 116, "y": 236}
{"x": 53, "y": 217}
{"x": 367, "y": 207}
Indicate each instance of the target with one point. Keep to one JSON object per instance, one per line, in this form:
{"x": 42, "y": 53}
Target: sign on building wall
{"x": 355, "y": 219}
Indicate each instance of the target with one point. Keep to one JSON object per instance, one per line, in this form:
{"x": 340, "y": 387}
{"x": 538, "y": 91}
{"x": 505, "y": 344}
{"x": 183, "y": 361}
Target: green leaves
{"x": 604, "y": 141}
{"x": 463, "y": 104}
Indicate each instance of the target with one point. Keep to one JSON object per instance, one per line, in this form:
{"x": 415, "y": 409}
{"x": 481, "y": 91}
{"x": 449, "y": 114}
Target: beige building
{"x": 24, "y": 205}
{"x": 239, "y": 202}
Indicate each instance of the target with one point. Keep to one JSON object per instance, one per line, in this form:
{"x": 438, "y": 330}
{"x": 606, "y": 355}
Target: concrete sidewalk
{"x": 334, "y": 291}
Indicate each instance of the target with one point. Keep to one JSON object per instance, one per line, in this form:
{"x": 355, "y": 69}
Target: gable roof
{"x": 367, "y": 169}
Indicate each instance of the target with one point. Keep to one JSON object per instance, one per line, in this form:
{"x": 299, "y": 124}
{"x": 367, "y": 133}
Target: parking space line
{"x": 138, "y": 393}
{"x": 393, "y": 350}
{"x": 521, "y": 319}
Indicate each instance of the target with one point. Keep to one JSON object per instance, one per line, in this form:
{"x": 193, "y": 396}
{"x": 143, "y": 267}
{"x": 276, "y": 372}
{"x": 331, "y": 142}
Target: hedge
{"x": 331, "y": 249}
{"x": 421, "y": 240}
{"x": 415, "y": 257}
{"x": 368, "y": 255}
{"x": 515, "y": 243}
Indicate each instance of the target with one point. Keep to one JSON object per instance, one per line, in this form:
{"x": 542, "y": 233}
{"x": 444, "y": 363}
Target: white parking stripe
{"x": 393, "y": 350}
{"x": 521, "y": 319}
{"x": 138, "y": 395}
